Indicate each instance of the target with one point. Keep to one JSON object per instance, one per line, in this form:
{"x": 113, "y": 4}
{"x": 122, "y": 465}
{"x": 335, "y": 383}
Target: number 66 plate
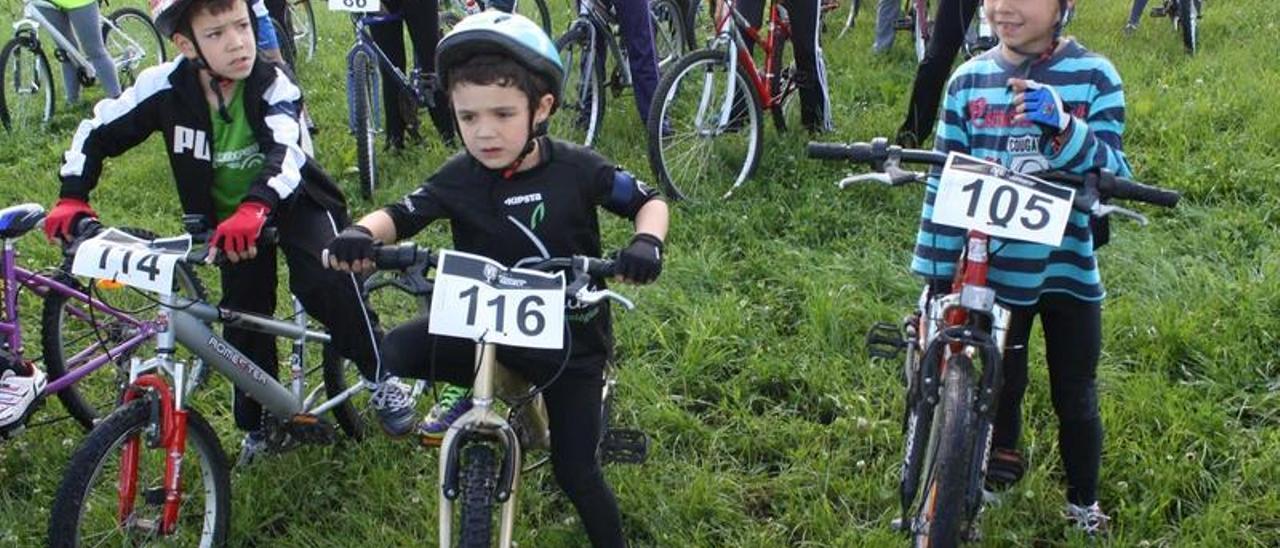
{"x": 477, "y": 298}
{"x": 356, "y": 6}
{"x": 979, "y": 195}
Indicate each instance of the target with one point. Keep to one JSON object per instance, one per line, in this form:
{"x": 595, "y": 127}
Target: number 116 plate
{"x": 478, "y": 298}
{"x": 978, "y": 195}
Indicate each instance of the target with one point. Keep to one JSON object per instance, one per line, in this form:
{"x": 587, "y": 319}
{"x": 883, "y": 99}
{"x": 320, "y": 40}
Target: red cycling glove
{"x": 58, "y": 223}
{"x": 240, "y": 231}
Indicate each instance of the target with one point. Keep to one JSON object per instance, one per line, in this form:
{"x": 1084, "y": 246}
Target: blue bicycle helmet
{"x": 507, "y": 34}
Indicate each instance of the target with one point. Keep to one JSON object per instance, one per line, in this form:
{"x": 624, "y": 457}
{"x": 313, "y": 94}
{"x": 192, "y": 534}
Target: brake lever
{"x": 1103, "y": 210}
{"x": 588, "y": 296}
{"x": 882, "y": 178}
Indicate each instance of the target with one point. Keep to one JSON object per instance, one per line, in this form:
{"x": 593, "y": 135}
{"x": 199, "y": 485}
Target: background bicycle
{"x": 954, "y": 341}
{"x": 84, "y": 327}
{"x": 706, "y": 130}
{"x": 586, "y": 50}
{"x": 27, "y": 94}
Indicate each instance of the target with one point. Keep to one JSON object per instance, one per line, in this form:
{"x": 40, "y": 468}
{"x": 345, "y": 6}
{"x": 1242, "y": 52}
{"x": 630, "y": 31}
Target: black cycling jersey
{"x": 546, "y": 211}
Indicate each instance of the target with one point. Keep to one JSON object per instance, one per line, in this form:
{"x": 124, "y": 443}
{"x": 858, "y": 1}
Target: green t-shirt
{"x": 236, "y": 158}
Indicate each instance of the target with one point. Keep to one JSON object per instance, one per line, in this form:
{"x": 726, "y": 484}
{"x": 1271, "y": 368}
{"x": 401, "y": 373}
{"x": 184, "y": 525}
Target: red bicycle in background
{"x": 706, "y": 126}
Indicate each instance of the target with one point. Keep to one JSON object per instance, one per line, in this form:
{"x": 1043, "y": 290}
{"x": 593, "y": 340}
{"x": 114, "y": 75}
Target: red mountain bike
{"x": 705, "y": 125}
{"x": 954, "y": 342}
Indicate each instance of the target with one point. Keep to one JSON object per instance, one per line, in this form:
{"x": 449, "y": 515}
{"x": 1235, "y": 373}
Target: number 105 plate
{"x": 979, "y": 195}
{"x": 480, "y": 299}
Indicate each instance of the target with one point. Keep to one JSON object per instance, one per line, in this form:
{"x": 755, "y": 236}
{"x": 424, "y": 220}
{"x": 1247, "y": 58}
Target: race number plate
{"x": 477, "y": 298}
{"x": 357, "y": 6}
{"x": 145, "y": 264}
{"x": 978, "y": 195}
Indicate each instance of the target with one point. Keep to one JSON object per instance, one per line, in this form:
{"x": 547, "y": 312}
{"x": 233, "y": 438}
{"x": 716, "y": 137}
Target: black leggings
{"x": 1073, "y": 342}
{"x": 951, "y": 20}
{"x": 573, "y": 410}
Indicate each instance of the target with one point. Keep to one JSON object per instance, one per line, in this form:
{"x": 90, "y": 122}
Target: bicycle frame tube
{"x": 73, "y": 53}
{"x": 191, "y": 331}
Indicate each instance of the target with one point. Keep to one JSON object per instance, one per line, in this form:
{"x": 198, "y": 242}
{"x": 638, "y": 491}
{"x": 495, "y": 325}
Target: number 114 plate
{"x": 478, "y": 298}
{"x": 978, "y": 195}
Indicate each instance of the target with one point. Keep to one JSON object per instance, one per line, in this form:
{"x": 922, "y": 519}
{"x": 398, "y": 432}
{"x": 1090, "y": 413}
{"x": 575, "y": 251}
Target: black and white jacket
{"x": 169, "y": 99}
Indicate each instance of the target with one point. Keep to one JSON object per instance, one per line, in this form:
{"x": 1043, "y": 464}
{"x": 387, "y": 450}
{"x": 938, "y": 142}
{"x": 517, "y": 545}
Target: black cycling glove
{"x": 352, "y": 244}
{"x": 641, "y": 260}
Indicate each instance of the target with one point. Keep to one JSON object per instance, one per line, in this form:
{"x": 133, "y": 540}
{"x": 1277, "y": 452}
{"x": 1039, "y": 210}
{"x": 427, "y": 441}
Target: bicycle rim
{"x": 582, "y": 105}
{"x": 701, "y": 155}
{"x": 1188, "y": 16}
{"x": 303, "y": 20}
{"x": 135, "y": 47}
{"x": 26, "y": 87}
{"x": 669, "y": 37}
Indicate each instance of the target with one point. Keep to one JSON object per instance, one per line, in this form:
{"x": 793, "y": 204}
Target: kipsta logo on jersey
{"x": 490, "y": 273}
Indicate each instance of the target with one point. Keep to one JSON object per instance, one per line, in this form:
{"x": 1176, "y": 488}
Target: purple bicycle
{"x": 83, "y": 328}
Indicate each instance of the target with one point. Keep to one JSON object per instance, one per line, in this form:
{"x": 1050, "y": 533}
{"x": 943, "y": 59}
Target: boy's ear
{"x": 544, "y": 108}
{"x": 185, "y": 45}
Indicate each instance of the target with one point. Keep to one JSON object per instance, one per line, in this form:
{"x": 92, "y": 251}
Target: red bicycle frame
{"x": 779, "y": 29}
{"x": 173, "y": 435}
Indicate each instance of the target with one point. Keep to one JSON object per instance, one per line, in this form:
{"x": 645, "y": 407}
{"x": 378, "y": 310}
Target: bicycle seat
{"x": 18, "y": 220}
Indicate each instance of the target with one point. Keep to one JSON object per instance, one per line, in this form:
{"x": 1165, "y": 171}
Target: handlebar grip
{"x": 397, "y": 257}
{"x": 1129, "y": 190}
{"x": 601, "y": 268}
{"x": 855, "y": 152}
{"x": 86, "y": 227}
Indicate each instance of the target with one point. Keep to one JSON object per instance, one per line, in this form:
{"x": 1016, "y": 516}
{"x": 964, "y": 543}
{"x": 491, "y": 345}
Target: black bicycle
{"x": 1185, "y": 15}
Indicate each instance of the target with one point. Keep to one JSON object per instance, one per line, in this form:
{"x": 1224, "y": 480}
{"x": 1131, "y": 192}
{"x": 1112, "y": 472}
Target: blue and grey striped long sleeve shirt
{"x": 977, "y": 119}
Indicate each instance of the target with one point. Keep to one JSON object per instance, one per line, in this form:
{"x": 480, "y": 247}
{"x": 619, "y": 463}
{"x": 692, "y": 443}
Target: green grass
{"x": 744, "y": 363}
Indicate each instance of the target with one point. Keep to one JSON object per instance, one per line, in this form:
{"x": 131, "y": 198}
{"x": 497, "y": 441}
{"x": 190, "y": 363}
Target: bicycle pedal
{"x": 885, "y": 340}
{"x": 624, "y": 446}
{"x": 430, "y": 441}
{"x": 310, "y": 429}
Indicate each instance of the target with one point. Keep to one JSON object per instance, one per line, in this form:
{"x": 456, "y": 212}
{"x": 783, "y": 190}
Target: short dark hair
{"x": 489, "y": 69}
{"x": 214, "y": 7}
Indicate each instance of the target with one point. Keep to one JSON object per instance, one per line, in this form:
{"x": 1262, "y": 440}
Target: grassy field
{"x": 745, "y": 364}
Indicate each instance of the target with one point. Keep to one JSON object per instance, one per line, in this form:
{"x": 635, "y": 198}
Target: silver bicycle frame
{"x": 32, "y": 19}
{"x": 187, "y": 325}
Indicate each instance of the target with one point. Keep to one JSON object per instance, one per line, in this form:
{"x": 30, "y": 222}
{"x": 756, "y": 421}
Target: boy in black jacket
{"x": 240, "y": 158}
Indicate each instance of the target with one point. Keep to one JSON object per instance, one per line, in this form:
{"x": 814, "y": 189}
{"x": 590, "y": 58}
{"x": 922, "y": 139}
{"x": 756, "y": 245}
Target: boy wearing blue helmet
{"x": 515, "y": 195}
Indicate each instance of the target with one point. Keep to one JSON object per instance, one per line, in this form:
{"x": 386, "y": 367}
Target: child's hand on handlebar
{"x": 237, "y": 236}
{"x": 641, "y": 261}
{"x": 351, "y": 250}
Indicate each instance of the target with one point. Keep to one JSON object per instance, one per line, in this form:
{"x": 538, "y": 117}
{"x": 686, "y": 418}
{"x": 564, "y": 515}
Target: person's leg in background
{"x": 811, "y": 68}
{"x": 83, "y": 28}
{"x": 1135, "y": 16}
{"x": 887, "y": 14}
{"x": 390, "y": 39}
{"x": 951, "y": 20}
{"x": 636, "y": 25}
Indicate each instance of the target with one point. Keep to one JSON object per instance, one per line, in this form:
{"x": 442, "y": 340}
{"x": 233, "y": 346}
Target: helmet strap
{"x": 215, "y": 81}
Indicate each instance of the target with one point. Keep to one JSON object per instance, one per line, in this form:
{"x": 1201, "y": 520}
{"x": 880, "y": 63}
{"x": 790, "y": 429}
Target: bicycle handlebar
{"x": 885, "y": 158}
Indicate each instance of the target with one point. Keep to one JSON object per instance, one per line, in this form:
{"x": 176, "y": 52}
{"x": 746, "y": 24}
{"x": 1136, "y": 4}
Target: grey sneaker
{"x": 394, "y": 405}
{"x": 1089, "y": 519}
{"x": 253, "y": 446}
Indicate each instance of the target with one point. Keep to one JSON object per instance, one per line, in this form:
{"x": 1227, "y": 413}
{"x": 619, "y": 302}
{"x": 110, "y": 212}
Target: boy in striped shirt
{"x": 1037, "y": 102}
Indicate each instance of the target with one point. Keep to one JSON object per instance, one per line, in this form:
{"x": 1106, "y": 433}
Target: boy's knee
{"x": 1076, "y": 401}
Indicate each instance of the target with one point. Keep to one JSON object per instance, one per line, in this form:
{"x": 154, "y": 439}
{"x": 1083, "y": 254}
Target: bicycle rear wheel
{"x": 288, "y": 48}
{"x": 339, "y": 375}
{"x": 1188, "y": 21}
{"x": 72, "y": 334}
{"x": 26, "y": 86}
{"x": 137, "y": 45}
{"x": 362, "y": 96}
{"x": 583, "y": 104}
{"x": 941, "y": 516}
{"x": 302, "y": 21}
{"x": 694, "y": 154}
{"x": 670, "y": 36}
{"x": 88, "y": 507}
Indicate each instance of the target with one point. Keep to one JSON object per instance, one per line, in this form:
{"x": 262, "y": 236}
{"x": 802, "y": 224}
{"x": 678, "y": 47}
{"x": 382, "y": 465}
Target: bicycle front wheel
{"x": 941, "y": 512}
{"x": 363, "y": 94}
{"x": 113, "y": 490}
{"x": 583, "y": 98}
{"x": 703, "y": 144}
{"x": 74, "y": 333}
{"x": 136, "y": 46}
{"x": 26, "y": 86}
{"x": 1188, "y": 21}
{"x": 479, "y": 483}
